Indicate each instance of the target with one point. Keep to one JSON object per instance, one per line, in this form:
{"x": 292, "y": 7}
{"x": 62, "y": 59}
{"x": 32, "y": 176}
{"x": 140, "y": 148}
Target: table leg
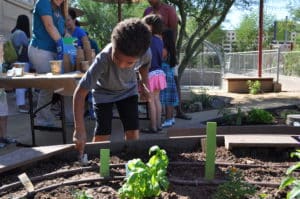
{"x": 32, "y": 115}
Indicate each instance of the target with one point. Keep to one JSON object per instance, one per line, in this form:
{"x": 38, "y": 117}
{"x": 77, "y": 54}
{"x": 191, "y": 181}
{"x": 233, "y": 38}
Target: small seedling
{"x": 235, "y": 187}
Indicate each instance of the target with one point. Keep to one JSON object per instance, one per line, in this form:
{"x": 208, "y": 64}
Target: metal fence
{"x": 207, "y": 71}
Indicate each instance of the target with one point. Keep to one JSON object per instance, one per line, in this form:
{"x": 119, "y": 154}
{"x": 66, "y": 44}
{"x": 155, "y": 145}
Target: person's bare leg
{"x": 169, "y": 112}
{"x": 152, "y": 109}
{"x": 132, "y": 135}
{"x": 158, "y": 109}
{"x": 3, "y": 126}
{"x": 101, "y": 138}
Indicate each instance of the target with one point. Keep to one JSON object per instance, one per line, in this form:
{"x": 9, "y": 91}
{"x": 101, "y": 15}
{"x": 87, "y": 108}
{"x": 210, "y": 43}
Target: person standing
{"x": 75, "y": 31}
{"x": 20, "y": 40}
{"x": 46, "y": 44}
{"x": 169, "y": 96}
{"x": 112, "y": 79}
{"x": 156, "y": 76}
{"x": 170, "y": 20}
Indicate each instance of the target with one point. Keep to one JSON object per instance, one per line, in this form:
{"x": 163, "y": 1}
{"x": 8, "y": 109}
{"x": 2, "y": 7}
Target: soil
{"x": 270, "y": 168}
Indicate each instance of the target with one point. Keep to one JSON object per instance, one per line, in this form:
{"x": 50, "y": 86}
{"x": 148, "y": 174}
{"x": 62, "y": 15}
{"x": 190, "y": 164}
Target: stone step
{"x": 278, "y": 141}
{"x": 293, "y": 119}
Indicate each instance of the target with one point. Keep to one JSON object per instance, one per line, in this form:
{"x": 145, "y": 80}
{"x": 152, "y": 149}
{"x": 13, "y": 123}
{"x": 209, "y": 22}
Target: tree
{"x": 207, "y": 15}
{"x": 247, "y": 32}
{"x": 102, "y": 17}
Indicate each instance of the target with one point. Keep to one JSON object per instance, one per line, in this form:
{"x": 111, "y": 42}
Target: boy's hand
{"x": 145, "y": 93}
{"x": 79, "y": 139}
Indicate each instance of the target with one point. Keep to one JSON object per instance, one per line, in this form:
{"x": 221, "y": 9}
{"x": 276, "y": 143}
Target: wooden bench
{"x": 239, "y": 84}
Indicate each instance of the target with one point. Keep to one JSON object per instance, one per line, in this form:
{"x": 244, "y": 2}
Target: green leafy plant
{"x": 290, "y": 180}
{"x": 202, "y": 97}
{"x": 259, "y": 116}
{"x": 235, "y": 187}
{"x": 254, "y": 86}
{"x": 146, "y": 180}
{"x": 229, "y": 118}
{"x": 81, "y": 195}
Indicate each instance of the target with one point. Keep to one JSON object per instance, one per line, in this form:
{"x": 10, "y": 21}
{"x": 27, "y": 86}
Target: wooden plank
{"x": 232, "y": 141}
{"x": 244, "y": 129}
{"x": 25, "y": 156}
{"x": 63, "y": 84}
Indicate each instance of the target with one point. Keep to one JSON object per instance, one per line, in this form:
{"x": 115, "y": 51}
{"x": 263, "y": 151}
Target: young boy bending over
{"x": 112, "y": 80}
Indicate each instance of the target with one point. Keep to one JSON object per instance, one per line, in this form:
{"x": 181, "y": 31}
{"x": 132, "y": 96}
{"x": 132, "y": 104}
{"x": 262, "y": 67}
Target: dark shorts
{"x": 128, "y": 112}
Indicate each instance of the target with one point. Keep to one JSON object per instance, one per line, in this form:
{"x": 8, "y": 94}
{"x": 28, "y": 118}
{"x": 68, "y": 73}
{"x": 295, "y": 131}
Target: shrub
{"x": 202, "y": 97}
{"x": 259, "y": 116}
{"x": 254, "y": 86}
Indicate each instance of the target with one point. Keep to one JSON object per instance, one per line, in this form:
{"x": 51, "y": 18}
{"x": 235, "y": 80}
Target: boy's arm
{"x": 79, "y": 135}
{"x": 144, "y": 70}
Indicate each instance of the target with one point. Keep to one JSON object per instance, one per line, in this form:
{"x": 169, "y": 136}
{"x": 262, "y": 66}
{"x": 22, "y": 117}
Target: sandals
{"x": 183, "y": 116}
{"x": 149, "y": 131}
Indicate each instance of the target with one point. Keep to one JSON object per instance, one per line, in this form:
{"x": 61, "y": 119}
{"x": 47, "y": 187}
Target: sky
{"x": 272, "y": 7}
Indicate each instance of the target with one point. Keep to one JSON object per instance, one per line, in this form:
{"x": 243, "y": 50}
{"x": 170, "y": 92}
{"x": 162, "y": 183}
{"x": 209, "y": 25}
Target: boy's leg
{"x": 128, "y": 111}
{"x": 132, "y": 135}
{"x": 3, "y": 126}
{"x": 103, "y": 114}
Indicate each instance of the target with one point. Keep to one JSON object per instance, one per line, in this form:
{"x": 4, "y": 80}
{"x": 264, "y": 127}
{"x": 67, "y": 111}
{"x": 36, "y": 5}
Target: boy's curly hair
{"x": 132, "y": 37}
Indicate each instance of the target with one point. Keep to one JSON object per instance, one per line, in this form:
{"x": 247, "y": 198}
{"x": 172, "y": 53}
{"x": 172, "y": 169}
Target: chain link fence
{"x": 207, "y": 71}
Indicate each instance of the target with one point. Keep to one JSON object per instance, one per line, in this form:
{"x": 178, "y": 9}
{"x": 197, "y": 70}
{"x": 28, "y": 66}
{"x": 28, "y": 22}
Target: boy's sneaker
{"x": 167, "y": 124}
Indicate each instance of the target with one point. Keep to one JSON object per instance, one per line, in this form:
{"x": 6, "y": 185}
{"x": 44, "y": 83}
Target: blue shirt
{"x": 40, "y": 37}
{"x": 156, "y": 50}
{"x": 79, "y": 33}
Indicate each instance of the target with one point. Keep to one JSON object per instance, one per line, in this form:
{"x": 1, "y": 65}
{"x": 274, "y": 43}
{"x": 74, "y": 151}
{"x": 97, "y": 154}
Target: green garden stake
{"x": 104, "y": 162}
{"x": 211, "y": 142}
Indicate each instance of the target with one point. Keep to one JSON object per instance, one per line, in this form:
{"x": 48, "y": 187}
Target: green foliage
{"x": 254, "y": 86}
{"x": 259, "y": 116}
{"x": 235, "y": 187}
{"x": 202, "y": 97}
{"x": 81, "y": 195}
{"x": 102, "y": 17}
{"x": 292, "y": 64}
{"x": 290, "y": 181}
{"x": 146, "y": 180}
{"x": 198, "y": 20}
{"x": 229, "y": 118}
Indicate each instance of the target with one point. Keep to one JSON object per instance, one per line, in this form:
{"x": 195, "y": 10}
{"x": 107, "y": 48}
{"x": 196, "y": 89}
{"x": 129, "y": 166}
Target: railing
{"x": 207, "y": 71}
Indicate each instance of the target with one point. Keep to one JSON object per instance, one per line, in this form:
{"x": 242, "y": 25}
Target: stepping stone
{"x": 293, "y": 119}
{"x": 283, "y": 141}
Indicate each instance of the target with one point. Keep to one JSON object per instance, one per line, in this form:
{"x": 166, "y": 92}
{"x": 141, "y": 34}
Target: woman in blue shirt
{"x": 75, "y": 31}
{"x": 46, "y": 44}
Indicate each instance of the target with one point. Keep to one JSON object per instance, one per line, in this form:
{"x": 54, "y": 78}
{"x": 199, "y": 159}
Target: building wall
{"x": 9, "y": 12}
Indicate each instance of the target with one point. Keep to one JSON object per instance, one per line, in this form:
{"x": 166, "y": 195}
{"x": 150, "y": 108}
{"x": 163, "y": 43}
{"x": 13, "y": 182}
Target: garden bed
{"x": 264, "y": 168}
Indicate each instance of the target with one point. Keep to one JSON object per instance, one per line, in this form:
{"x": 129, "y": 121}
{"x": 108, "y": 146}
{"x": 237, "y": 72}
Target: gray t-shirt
{"x": 108, "y": 82}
